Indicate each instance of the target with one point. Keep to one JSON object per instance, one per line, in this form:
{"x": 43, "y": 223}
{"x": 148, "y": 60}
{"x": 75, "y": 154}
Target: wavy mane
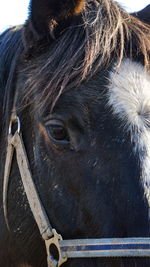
{"x": 10, "y": 50}
{"x": 102, "y": 34}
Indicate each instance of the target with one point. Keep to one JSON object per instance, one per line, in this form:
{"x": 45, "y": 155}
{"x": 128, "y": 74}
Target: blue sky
{"x": 13, "y": 12}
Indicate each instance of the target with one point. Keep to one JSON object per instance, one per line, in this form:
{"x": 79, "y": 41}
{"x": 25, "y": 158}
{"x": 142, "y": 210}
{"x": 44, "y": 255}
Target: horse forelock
{"x": 102, "y": 33}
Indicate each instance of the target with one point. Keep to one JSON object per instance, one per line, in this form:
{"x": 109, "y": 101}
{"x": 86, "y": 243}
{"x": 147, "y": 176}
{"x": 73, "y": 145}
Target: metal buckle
{"x": 54, "y": 256}
{"x": 14, "y": 119}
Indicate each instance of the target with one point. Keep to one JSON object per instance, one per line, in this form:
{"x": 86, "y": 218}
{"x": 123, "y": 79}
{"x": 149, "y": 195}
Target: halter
{"x": 59, "y": 250}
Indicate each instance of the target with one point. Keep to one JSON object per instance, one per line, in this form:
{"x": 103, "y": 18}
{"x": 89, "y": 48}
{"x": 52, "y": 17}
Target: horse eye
{"x": 57, "y": 131}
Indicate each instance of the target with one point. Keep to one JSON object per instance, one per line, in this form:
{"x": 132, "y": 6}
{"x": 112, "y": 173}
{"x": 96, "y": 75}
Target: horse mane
{"x": 10, "y": 48}
{"x": 102, "y": 34}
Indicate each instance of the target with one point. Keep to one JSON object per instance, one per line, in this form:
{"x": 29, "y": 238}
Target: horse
{"x": 75, "y": 91}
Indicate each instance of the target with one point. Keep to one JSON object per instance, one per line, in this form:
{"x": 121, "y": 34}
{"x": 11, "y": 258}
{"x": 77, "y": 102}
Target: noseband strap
{"x": 58, "y": 250}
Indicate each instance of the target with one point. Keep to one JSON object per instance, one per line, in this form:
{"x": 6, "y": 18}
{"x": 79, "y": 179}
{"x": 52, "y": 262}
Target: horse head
{"x": 79, "y": 82}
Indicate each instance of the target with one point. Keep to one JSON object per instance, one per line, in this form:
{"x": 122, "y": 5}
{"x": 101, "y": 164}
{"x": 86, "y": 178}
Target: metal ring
{"x": 14, "y": 120}
{"x": 54, "y": 242}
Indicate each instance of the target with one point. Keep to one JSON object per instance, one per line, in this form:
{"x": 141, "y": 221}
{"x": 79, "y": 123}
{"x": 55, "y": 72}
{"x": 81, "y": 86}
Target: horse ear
{"x": 45, "y": 15}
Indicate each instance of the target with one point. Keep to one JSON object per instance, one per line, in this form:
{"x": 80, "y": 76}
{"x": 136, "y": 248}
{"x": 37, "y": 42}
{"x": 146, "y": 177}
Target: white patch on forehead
{"x": 129, "y": 94}
{"x": 129, "y": 98}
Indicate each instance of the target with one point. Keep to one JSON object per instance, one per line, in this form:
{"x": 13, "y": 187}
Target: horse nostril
{"x": 54, "y": 253}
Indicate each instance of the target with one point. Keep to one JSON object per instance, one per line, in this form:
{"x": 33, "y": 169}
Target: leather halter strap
{"x": 15, "y": 142}
{"x": 49, "y": 235}
{"x": 79, "y": 248}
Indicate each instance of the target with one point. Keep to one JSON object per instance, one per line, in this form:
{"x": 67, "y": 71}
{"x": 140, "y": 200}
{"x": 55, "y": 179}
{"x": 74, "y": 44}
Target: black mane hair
{"x": 10, "y": 50}
{"x": 101, "y": 34}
